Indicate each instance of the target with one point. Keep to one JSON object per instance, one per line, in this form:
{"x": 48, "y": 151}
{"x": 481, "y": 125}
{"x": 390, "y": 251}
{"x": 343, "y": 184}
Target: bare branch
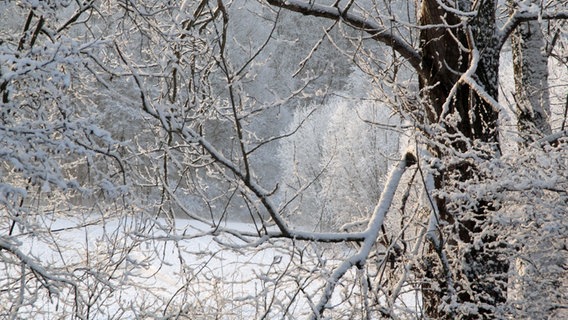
{"x": 371, "y": 233}
{"x": 523, "y": 15}
{"x": 6, "y": 244}
{"x": 376, "y": 31}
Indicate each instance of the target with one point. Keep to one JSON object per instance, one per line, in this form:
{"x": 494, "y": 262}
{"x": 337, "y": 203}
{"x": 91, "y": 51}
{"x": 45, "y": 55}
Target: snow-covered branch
{"x": 49, "y": 281}
{"x": 370, "y": 234}
{"x": 376, "y": 31}
{"x": 523, "y": 14}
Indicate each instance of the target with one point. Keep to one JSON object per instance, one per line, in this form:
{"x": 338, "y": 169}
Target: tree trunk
{"x": 478, "y": 281}
{"x": 530, "y": 65}
{"x": 531, "y": 81}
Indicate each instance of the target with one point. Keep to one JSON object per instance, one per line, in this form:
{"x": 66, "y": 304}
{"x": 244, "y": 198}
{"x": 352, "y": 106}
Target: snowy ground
{"x": 159, "y": 267}
{"x": 125, "y": 265}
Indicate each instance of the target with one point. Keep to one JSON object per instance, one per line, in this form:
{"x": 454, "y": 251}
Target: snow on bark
{"x": 531, "y": 81}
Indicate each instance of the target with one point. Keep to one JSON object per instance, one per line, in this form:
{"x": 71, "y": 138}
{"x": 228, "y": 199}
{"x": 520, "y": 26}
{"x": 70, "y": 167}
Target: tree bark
{"x": 530, "y": 66}
{"x": 479, "y": 277}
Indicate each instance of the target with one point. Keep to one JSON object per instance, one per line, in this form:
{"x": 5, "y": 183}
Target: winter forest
{"x": 284, "y": 159}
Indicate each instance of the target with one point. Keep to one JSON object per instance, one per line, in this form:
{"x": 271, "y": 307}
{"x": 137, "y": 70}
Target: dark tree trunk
{"x": 479, "y": 277}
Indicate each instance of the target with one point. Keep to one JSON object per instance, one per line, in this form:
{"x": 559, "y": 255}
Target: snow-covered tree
{"x": 456, "y": 61}
{"x": 135, "y": 133}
